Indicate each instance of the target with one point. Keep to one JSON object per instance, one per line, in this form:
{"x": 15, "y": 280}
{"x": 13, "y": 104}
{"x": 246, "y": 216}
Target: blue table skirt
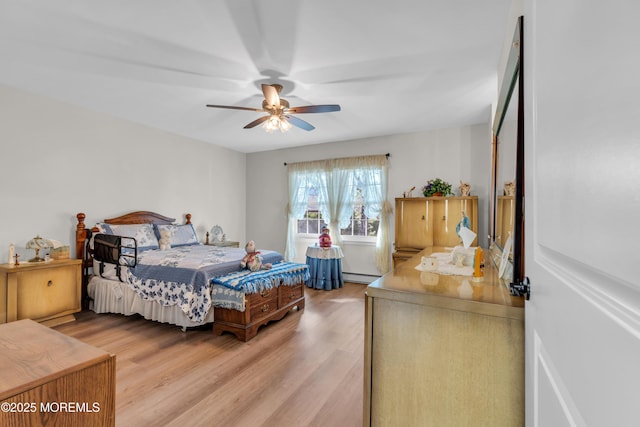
{"x": 325, "y": 273}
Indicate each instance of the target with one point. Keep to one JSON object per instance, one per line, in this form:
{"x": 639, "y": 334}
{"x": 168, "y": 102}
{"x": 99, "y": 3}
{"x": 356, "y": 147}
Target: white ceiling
{"x": 393, "y": 66}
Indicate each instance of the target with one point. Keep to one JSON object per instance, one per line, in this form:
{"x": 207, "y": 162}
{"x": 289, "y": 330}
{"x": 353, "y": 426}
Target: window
{"x": 312, "y": 221}
{"x": 360, "y": 224}
{"x": 346, "y": 194}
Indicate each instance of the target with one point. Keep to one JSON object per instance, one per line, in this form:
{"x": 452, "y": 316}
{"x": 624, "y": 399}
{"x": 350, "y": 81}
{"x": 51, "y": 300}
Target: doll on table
{"x": 325, "y": 239}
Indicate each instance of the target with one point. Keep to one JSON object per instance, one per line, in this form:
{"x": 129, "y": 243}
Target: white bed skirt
{"x": 109, "y": 296}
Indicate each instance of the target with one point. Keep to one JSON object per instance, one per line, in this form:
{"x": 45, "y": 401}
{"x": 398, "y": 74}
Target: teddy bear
{"x": 253, "y": 260}
{"x": 165, "y": 239}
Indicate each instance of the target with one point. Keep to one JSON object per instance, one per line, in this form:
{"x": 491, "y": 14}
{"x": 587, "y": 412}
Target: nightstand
{"x": 47, "y": 292}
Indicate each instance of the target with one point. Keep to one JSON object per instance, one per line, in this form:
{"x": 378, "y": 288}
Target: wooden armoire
{"x": 423, "y": 222}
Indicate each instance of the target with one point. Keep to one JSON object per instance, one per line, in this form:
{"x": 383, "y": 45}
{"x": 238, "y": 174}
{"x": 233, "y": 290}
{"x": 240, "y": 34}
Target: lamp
{"x": 37, "y": 243}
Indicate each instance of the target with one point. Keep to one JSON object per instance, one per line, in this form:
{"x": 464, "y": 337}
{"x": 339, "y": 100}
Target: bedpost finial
{"x": 81, "y": 216}
{"x": 188, "y": 217}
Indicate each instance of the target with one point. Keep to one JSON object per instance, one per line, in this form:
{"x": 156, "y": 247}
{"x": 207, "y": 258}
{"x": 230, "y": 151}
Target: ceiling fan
{"x": 280, "y": 114}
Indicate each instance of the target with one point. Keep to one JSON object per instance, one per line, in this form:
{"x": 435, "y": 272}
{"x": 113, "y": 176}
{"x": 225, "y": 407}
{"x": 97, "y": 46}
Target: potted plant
{"x": 437, "y": 187}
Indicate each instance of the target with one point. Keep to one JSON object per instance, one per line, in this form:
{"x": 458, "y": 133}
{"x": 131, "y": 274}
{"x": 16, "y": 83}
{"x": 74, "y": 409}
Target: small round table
{"x": 325, "y": 267}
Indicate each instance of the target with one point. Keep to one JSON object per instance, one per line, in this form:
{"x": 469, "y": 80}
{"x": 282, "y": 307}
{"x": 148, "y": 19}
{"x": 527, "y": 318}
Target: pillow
{"x": 102, "y": 228}
{"x": 143, "y": 233}
{"x": 181, "y": 235}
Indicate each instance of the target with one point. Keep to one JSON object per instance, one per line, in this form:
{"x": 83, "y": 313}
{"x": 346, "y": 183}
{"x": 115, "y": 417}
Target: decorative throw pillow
{"x": 182, "y": 235}
{"x": 143, "y": 233}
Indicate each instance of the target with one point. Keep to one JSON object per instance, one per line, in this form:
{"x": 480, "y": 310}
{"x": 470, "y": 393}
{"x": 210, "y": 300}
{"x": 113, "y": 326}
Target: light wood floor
{"x": 305, "y": 370}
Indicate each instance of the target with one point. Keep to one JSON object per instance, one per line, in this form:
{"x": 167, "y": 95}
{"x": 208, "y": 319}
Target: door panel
{"x": 585, "y": 346}
{"x": 414, "y": 226}
{"x": 582, "y": 204}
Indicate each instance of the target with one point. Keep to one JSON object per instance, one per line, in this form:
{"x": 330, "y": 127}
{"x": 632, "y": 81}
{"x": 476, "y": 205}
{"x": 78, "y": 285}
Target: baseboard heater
{"x": 359, "y": 277}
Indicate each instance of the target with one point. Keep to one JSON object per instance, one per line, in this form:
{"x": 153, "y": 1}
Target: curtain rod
{"x": 386, "y": 155}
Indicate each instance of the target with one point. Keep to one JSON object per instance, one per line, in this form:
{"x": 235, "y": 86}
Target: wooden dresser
{"x": 50, "y": 379}
{"x": 423, "y": 222}
{"x": 505, "y": 217}
{"x": 48, "y": 292}
{"x": 442, "y": 350}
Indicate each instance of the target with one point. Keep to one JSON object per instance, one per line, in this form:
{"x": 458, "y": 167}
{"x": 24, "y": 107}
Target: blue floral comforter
{"x": 182, "y": 276}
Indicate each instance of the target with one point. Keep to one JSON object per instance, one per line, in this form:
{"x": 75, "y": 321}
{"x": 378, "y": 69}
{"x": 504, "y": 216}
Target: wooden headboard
{"x": 83, "y": 235}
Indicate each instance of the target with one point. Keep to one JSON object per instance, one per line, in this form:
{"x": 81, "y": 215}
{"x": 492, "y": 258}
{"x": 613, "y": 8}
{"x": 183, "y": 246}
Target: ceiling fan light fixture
{"x": 275, "y": 122}
{"x": 284, "y": 125}
{"x": 280, "y": 115}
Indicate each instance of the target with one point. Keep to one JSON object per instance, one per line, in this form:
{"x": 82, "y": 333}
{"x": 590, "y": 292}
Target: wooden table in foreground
{"x": 443, "y": 350}
{"x": 50, "y": 379}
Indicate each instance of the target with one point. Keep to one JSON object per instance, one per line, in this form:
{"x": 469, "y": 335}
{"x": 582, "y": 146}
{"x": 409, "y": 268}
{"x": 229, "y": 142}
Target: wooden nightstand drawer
{"x": 42, "y": 293}
{"x": 48, "y": 292}
{"x": 288, "y": 294}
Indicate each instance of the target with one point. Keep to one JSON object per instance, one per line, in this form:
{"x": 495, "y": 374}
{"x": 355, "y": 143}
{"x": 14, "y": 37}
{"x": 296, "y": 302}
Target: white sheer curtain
{"x": 302, "y": 176}
{"x": 339, "y": 191}
{"x": 336, "y": 181}
{"x": 374, "y": 176}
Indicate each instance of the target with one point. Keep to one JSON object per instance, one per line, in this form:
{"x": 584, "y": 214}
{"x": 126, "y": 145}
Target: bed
{"x": 177, "y": 285}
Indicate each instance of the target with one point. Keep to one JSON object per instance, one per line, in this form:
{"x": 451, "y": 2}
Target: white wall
{"x": 58, "y": 160}
{"x": 49, "y": 161}
{"x": 451, "y": 154}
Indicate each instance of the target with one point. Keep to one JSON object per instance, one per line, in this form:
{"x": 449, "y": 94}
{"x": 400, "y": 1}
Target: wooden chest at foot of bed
{"x": 260, "y": 309}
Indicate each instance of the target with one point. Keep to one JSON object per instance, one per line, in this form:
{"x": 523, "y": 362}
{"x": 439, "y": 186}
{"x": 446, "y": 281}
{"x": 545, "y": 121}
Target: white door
{"x": 582, "y": 212}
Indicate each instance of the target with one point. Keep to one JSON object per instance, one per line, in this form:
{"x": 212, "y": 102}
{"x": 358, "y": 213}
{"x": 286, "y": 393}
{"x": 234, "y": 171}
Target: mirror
{"x": 506, "y": 174}
{"x": 507, "y": 194}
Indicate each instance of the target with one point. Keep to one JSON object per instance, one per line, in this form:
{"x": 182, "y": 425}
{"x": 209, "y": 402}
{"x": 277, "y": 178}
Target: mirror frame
{"x": 514, "y": 72}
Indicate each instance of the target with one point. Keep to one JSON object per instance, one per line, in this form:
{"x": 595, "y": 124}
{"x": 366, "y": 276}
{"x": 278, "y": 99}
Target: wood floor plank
{"x": 305, "y": 370}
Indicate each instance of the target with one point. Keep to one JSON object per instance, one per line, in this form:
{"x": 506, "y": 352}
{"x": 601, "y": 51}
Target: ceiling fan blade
{"x": 314, "y": 109}
{"x": 300, "y": 123}
{"x": 271, "y": 95}
{"x": 231, "y": 107}
{"x": 256, "y": 122}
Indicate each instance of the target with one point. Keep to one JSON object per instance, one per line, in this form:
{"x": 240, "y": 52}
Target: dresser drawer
{"x": 263, "y": 303}
{"x": 261, "y": 296}
{"x": 288, "y": 294}
{"x": 43, "y": 293}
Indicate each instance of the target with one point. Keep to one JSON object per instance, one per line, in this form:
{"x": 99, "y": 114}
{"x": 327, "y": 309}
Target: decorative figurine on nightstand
{"x": 325, "y": 239}
{"x": 12, "y": 254}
